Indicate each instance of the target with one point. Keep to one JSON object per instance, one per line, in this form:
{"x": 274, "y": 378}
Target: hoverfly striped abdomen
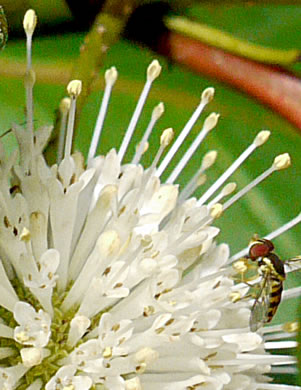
{"x": 275, "y": 297}
{"x": 277, "y": 276}
{"x": 271, "y": 268}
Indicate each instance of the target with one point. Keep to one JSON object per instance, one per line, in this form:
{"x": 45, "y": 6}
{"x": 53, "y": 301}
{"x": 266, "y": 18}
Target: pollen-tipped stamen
{"x": 198, "y": 178}
{"x": 209, "y": 124}
{"x": 74, "y": 89}
{"x": 156, "y": 114}
{"x": 29, "y": 24}
{"x": 153, "y": 72}
{"x": 145, "y": 148}
{"x": 207, "y": 96}
{"x": 280, "y": 162}
{"x": 165, "y": 140}
{"x": 227, "y": 190}
{"x": 259, "y": 140}
{"x": 110, "y": 79}
{"x": 281, "y": 331}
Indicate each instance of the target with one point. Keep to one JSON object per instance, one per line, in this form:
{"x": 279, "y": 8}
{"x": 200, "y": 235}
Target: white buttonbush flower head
{"x": 111, "y": 278}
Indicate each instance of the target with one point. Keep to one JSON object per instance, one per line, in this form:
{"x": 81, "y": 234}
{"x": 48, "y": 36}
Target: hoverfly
{"x": 272, "y": 273}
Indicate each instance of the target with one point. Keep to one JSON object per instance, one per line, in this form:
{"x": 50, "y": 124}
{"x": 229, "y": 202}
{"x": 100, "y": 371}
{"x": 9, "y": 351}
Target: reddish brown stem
{"x": 279, "y": 90}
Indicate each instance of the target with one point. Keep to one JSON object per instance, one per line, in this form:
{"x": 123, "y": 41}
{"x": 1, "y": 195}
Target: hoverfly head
{"x": 260, "y": 248}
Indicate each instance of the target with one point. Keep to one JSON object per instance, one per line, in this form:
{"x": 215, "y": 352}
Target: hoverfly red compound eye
{"x": 260, "y": 248}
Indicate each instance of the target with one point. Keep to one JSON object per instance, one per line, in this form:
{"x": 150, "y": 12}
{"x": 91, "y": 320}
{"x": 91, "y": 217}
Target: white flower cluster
{"x": 95, "y": 284}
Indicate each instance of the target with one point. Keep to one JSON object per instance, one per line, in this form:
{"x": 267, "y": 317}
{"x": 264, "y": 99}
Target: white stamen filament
{"x": 190, "y": 188}
{"x": 279, "y": 336}
{"x": 280, "y": 162}
{"x": 64, "y": 108}
{"x": 153, "y": 72}
{"x": 259, "y": 140}
{"x": 110, "y": 78}
{"x": 259, "y": 359}
{"x": 70, "y": 127}
{"x": 186, "y": 130}
{"x": 157, "y": 157}
{"x": 156, "y": 114}
{"x": 29, "y": 83}
{"x": 29, "y": 51}
{"x": 285, "y": 370}
{"x": 209, "y": 124}
{"x": 74, "y": 89}
{"x": 270, "y": 386}
{"x": 280, "y": 344}
{"x": 289, "y": 225}
{"x": 291, "y": 293}
{"x": 290, "y": 327}
{"x": 165, "y": 140}
{"x": 29, "y": 24}
{"x": 248, "y": 187}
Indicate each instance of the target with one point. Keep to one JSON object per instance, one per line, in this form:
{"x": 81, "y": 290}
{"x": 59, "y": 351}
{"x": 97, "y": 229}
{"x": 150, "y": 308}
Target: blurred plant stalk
{"x": 272, "y": 86}
{"x": 228, "y": 42}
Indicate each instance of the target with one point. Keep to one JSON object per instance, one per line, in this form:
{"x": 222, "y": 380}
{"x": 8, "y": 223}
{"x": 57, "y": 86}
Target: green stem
{"x": 228, "y": 42}
{"x": 3, "y": 28}
{"x": 106, "y": 30}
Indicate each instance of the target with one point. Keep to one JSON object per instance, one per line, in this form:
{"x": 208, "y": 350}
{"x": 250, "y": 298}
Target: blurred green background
{"x": 267, "y": 207}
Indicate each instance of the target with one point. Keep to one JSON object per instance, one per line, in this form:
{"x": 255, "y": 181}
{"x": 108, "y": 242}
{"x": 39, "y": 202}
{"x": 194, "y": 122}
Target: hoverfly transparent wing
{"x": 293, "y": 264}
{"x": 259, "y": 310}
